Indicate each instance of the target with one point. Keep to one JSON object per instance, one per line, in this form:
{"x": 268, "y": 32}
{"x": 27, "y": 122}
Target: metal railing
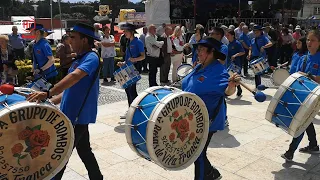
{"x": 189, "y": 23}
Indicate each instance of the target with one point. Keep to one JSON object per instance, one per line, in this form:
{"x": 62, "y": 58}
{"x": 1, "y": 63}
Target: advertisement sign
{"x": 136, "y": 16}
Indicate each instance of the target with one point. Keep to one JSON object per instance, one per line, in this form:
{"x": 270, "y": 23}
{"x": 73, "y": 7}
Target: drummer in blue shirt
{"x": 245, "y": 41}
{"x": 257, "y": 48}
{"x": 308, "y": 65}
{"x": 210, "y": 81}
{"x": 300, "y": 52}
{"x": 133, "y": 54}
{"x": 79, "y": 89}
{"x": 235, "y": 53}
{"x": 43, "y": 60}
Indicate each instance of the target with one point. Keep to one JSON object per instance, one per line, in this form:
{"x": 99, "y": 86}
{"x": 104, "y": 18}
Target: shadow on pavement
{"x": 292, "y": 172}
{"x": 238, "y": 101}
{"x": 222, "y": 139}
{"x": 120, "y": 128}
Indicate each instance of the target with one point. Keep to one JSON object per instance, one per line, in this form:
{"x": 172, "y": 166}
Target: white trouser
{"x": 176, "y": 61}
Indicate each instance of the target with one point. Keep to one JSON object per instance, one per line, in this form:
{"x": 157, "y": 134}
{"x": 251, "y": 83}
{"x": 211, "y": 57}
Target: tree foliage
{"x": 263, "y": 5}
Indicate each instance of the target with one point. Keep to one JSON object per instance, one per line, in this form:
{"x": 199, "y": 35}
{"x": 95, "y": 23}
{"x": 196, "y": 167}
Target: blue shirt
{"x": 209, "y": 84}
{"x": 41, "y": 51}
{"x": 16, "y": 41}
{"x": 312, "y": 64}
{"x": 73, "y": 97}
{"x": 136, "y": 48}
{"x": 244, "y": 39}
{"x": 261, "y": 41}
{"x": 234, "y": 47}
{"x": 296, "y": 57}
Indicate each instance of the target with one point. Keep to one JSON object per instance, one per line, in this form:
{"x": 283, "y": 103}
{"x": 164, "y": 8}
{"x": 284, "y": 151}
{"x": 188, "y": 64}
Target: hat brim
{"x": 84, "y": 32}
{"x": 218, "y": 50}
{"x": 129, "y": 29}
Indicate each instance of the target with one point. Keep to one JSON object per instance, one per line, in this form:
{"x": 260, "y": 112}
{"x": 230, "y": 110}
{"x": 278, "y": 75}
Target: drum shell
{"x": 260, "y": 66}
{"x": 279, "y": 76}
{"x": 127, "y": 75}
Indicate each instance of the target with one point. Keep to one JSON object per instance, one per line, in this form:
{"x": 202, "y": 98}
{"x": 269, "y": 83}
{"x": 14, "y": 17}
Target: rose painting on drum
{"x": 35, "y": 140}
{"x": 181, "y": 126}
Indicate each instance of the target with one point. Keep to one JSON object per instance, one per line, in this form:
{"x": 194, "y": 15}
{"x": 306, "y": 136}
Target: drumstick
{"x": 259, "y": 96}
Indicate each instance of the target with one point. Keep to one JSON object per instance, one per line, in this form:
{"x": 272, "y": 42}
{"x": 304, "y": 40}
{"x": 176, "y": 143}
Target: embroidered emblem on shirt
{"x": 38, "y": 51}
{"x": 201, "y": 78}
{"x": 315, "y": 66}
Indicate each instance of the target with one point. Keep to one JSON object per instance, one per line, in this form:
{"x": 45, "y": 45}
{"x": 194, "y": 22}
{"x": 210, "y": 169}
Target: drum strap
{"x": 96, "y": 75}
{"x": 304, "y": 65}
{"x": 216, "y": 110}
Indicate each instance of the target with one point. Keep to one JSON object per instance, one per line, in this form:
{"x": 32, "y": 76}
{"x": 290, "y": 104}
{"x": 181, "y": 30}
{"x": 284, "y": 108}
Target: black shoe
{"x": 239, "y": 92}
{"x": 288, "y": 156}
{"x": 105, "y": 80}
{"x": 309, "y": 149}
{"x": 216, "y": 174}
{"x": 113, "y": 79}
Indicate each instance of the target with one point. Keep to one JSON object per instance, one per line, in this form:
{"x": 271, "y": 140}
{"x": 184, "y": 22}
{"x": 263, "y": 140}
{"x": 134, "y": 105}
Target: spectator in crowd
{"x": 65, "y": 53}
{"x": 251, "y": 33}
{"x": 7, "y": 66}
{"x": 232, "y": 27}
{"x": 238, "y": 30}
{"x": 286, "y": 49}
{"x": 153, "y": 54}
{"x": 224, "y": 40}
{"x": 97, "y": 33}
{"x": 178, "y": 45}
{"x": 144, "y": 63}
{"x": 195, "y": 38}
{"x": 17, "y": 43}
{"x": 160, "y": 29}
{"x": 296, "y": 36}
{"x": 166, "y": 51}
{"x": 108, "y": 53}
{"x": 271, "y": 51}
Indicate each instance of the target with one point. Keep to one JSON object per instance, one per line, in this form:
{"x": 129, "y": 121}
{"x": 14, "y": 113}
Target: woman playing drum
{"x": 300, "y": 52}
{"x": 210, "y": 81}
{"x": 308, "y": 65}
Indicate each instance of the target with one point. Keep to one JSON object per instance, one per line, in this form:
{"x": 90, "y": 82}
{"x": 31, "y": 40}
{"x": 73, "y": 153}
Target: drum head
{"x": 179, "y": 128}
{"x": 36, "y": 140}
{"x": 279, "y": 76}
{"x": 183, "y": 70}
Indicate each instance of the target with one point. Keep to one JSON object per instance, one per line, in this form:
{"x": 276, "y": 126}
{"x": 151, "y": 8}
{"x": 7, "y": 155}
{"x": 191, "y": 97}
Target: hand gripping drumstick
{"x": 259, "y": 96}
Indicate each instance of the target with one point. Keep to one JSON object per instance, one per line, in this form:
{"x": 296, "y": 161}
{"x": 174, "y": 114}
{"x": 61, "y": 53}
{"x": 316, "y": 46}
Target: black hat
{"x": 36, "y": 27}
{"x": 129, "y": 27}
{"x": 257, "y": 28}
{"x": 85, "y": 29}
{"x": 212, "y": 43}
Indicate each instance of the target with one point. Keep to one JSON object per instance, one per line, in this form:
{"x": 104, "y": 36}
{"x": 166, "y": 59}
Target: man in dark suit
{"x": 166, "y": 51}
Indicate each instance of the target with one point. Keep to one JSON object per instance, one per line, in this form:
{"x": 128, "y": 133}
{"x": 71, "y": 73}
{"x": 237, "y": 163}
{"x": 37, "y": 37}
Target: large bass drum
{"x": 36, "y": 139}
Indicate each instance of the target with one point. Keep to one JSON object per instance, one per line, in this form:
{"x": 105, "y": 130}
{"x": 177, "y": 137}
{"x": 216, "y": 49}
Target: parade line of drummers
{"x": 162, "y": 46}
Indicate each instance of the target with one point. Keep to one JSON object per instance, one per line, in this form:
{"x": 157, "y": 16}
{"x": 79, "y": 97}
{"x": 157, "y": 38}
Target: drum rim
{"x": 72, "y": 136}
{"x": 274, "y": 73}
{"x": 184, "y": 65}
{"x": 155, "y": 113}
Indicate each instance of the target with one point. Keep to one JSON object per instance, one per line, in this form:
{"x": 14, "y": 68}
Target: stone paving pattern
{"x": 249, "y": 149}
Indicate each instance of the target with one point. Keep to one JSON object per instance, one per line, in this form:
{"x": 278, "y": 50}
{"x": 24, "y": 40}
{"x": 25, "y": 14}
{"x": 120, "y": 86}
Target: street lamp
{"x": 35, "y": 7}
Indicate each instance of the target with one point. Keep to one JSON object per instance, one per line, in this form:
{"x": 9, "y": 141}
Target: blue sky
{"x": 93, "y": 0}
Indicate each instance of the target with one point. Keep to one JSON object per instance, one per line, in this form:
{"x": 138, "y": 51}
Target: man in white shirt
{"x": 224, "y": 40}
{"x": 153, "y": 53}
{"x": 144, "y": 62}
{"x": 238, "y": 30}
{"x": 160, "y": 29}
{"x": 166, "y": 55}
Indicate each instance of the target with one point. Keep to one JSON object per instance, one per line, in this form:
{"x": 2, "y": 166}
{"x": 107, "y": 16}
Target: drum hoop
{"x": 155, "y": 113}
{"x": 183, "y": 65}
{"x": 130, "y": 114}
{"x": 313, "y": 101}
{"x": 69, "y": 151}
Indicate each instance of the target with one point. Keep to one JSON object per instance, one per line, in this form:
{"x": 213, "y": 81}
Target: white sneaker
{"x": 124, "y": 116}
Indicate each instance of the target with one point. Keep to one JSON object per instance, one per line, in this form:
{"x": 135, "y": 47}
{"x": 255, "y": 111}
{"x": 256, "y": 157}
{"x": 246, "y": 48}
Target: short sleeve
{"x": 240, "y": 47}
{"x": 47, "y": 50}
{"x": 266, "y": 40}
{"x": 140, "y": 46}
{"x": 89, "y": 64}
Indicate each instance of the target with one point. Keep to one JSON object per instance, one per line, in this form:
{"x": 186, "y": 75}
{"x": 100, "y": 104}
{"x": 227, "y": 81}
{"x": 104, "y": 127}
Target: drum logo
{"x": 179, "y": 131}
{"x": 35, "y": 139}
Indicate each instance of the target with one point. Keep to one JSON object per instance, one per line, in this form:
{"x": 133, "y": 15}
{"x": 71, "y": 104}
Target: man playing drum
{"x": 78, "y": 93}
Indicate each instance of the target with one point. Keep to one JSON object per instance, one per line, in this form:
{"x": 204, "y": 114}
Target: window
{"x": 316, "y": 11}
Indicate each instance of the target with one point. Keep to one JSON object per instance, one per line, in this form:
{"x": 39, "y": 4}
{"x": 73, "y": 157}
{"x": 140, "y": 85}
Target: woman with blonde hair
{"x": 177, "y": 49}
{"x": 8, "y": 68}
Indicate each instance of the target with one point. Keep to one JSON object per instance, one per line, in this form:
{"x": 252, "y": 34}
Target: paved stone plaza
{"x": 249, "y": 149}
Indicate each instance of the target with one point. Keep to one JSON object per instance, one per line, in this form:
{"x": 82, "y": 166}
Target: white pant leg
{"x": 176, "y": 61}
